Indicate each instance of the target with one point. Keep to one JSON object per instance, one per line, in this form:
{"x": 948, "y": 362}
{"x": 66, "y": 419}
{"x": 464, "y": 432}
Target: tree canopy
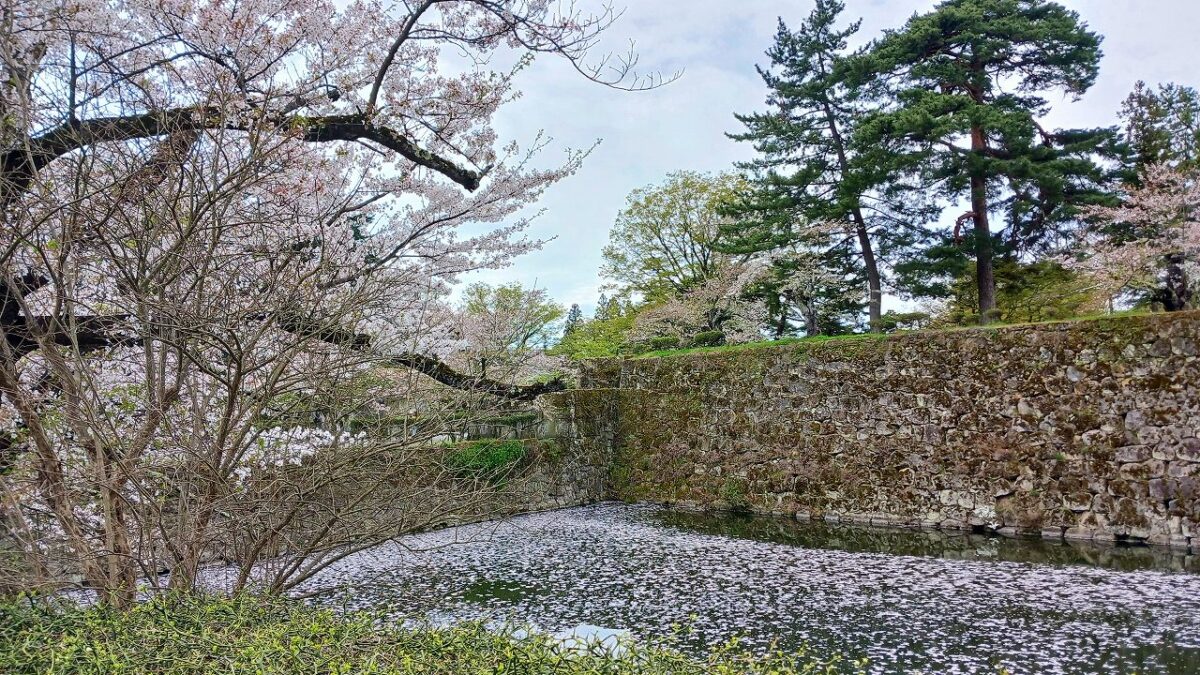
{"x": 668, "y": 238}
{"x": 969, "y": 82}
{"x": 807, "y": 174}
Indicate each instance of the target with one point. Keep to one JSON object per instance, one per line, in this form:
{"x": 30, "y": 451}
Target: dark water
{"x": 908, "y": 601}
{"x": 932, "y": 543}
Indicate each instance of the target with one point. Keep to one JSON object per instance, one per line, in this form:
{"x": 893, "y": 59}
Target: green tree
{"x": 612, "y": 307}
{"x": 806, "y": 172}
{"x": 605, "y": 335}
{"x": 667, "y": 238}
{"x": 574, "y": 319}
{"x": 1044, "y": 290}
{"x": 1162, "y": 126}
{"x": 970, "y": 80}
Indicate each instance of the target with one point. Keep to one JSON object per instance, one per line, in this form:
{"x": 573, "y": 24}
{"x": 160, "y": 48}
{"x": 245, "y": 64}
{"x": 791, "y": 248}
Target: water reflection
{"x": 907, "y": 601}
{"x": 955, "y": 545}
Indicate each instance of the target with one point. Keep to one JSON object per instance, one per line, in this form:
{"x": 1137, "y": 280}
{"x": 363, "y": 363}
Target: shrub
{"x": 733, "y": 493}
{"x": 486, "y": 458}
{"x": 190, "y": 635}
{"x": 662, "y": 342}
{"x": 893, "y": 321}
{"x": 709, "y": 338}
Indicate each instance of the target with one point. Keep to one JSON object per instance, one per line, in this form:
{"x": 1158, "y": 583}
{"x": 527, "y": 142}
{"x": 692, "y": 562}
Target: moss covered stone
{"x": 1014, "y": 428}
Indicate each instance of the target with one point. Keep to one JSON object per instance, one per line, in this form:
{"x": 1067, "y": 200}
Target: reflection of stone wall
{"x": 1086, "y": 430}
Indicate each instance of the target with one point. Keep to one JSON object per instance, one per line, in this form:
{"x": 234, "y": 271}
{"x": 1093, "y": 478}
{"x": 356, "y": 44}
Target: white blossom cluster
{"x": 213, "y": 208}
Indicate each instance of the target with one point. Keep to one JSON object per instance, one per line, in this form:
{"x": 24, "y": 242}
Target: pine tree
{"x": 806, "y": 172}
{"x": 969, "y": 80}
{"x": 574, "y": 319}
{"x": 1162, "y": 126}
{"x": 603, "y": 308}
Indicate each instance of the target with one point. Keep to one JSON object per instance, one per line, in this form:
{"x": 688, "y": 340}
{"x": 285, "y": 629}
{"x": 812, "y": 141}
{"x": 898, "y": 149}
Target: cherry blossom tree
{"x": 725, "y": 304}
{"x": 217, "y": 218}
{"x": 716, "y": 305}
{"x": 1150, "y": 243}
{"x": 506, "y": 330}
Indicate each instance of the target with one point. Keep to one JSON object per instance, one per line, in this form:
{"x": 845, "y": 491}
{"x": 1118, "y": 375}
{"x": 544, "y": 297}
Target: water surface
{"x": 908, "y": 601}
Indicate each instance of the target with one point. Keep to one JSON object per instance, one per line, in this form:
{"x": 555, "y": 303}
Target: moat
{"x": 927, "y": 602}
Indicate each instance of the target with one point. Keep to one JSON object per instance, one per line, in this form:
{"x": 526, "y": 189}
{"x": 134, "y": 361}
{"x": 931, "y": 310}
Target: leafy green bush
{"x": 733, "y": 492}
{"x": 486, "y": 458}
{"x": 186, "y": 635}
{"x": 709, "y": 338}
{"x": 663, "y": 342}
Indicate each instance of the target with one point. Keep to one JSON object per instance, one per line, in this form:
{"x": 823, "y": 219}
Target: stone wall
{"x": 568, "y": 464}
{"x": 1086, "y": 430}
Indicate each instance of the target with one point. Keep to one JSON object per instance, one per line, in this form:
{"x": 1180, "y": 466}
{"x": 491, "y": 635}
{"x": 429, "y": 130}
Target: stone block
{"x": 1163, "y": 451}
{"x": 1078, "y": 501}
{"x": 1132, "y": 453}
{"x": 1179, "y": 469}
{"x": 1161, "y": 348}
{"x": 1157, "y": 490}
{"x": 1149, "y": 436}
{"x": 1182, "y": 346}
{"x": 1188, "y": 450}
{"x": 1079, "y": 533}
{"x": 1053, "y": 532}
{"x": 1143, "y": 471}
{"x": 1185, "y": 489}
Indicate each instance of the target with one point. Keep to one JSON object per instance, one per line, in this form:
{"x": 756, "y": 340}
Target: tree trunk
{"x": 812, "y": 327}
{"x": 781, "y": 326}
{"x": 874, "y": 283}
{"x": 984, "y": 279}
{"x": 121, "y": 588}
{"x": 1176, "y": 293}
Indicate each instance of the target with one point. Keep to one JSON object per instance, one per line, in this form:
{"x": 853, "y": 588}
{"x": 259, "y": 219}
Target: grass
{"x": 765, "y": 344}
{"x": 486, "y": 458}
{"x": 819, "y": 339}
{"x": 195, "y": 634}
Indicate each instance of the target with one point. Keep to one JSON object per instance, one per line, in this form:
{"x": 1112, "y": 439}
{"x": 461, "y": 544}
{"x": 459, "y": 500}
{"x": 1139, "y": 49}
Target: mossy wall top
{"x": 1084, "y": 429}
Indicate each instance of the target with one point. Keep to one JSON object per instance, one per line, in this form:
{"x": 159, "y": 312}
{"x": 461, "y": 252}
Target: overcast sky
{"x": 716, "y": 43}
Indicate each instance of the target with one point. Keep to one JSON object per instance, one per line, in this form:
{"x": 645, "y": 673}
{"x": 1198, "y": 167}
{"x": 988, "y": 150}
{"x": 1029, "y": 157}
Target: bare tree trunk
{"x": 118, "y": 553}
{"x": 781, "y": 326}
{"x": 812, "y": 327}
{"x": 870, "y": 264}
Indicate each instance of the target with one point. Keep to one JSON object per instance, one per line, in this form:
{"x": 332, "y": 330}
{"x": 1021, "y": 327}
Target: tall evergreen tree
{"x": 574, "y": 319}
{"x": 969, "y": 80}
{"x": 806, "y": 170}
{"x": 1162, "y": 126}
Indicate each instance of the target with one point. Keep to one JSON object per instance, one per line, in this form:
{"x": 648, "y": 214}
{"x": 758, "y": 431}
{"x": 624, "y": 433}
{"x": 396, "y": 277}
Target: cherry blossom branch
{"x": 21, "y": 164}
{"x": 96, "y": 333}
{"x": 429, "y": 366}
{"x": 405, "y": 32}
